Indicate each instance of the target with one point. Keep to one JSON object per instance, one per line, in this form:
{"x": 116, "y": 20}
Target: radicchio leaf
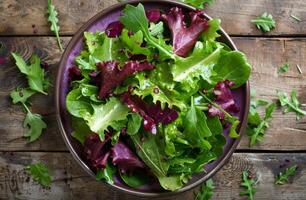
{"x": 97, "y": 152}
{"x": 125, "y": 159}
{"x": 151, "y": 114}
{"x": 111, "y": 76}
{"x": 224, "y": 98}
{"x": 183, "y": 37}
{"x": 114, "y": 29}
{"x": 153, "y": 15}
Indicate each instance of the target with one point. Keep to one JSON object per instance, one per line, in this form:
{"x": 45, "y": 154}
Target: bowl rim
{"x": 76, "y": 37}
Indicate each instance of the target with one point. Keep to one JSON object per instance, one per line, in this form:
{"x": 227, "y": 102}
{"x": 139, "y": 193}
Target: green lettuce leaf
{"x": 233, "y": 66}
{"x": 212, "y": 33}
{"x": 199, "y": 64}
{"x": 80, "y": 129}
{"x": 133, "y": 42}
{"x": 106, "y": 115}
{"x": 134, "y": 17}
{"x": 134, "y": 123}
{"x": 40, "y": 173}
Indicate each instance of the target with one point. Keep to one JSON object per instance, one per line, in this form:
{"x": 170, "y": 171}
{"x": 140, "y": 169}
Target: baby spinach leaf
{"x": 77, "y": 105}
{"x": 233, "y": 66}
{"x": 135, "y": 180}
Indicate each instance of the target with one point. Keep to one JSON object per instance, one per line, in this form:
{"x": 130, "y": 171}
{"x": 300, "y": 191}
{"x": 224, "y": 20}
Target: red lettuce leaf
{"x": 137, "y": 105}
{"x": 224, "y": 98}
{"x": 111, "y": 76}
{"x": 183, "y": 37}
{"x": 125, "y": 159}
{"x": 151, "y": 114}
{"x": 114, "y": 29}
{"x": 74, "y": 73}
{"x": 153, "y": 15}
{"x": 97, "y": 152}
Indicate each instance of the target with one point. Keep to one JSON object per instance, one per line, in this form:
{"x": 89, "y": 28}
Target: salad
{"x": 151, "y": 96}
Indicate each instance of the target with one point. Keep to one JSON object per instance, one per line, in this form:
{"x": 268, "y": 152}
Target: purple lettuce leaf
{"x": 114, "y": 29}
{"x": 125, "y": 159}
{"x": 97, "y": 152}
{"x": 224, "y": 98}
{"x": 153, "y": 15}
{"x": 183, "y": 37}
{"x": 137, "y": 105}
{"x": 151, "y": 114}
{"x": 74, "y": 73}
{"x": 111, "y": 76}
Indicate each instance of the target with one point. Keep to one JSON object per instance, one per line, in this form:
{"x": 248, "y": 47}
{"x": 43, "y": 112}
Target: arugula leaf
{"x": 34, "y": 73}
{"x": 199, "y": 64}
{"x": 135, "y": 18}
{"x": 257, "y": 126}
{"x": 52, "y": 18}
{"x": 35, "y": 124}
{"x": 39, "y": 173}
{"x": 248, "y": 184}
{"x": 283, "y": 177}
{"x": 106, "y": 174}
{"x": 198, "y": 3}
{"x": 21, "y": 95}
{"x": 134, "y": 123}
{"x": 264, "y": 22}
{"x": 148, "y": 151}
{"x": 135, "y": 180}
{"x": 206, "y": 191}
{"x": 233, "y": 66}
{"x": 291, "y": 105}
{"x": 196, "y": 129}
{"x": 284, "y": 68}
{"x": 106, "y": 115}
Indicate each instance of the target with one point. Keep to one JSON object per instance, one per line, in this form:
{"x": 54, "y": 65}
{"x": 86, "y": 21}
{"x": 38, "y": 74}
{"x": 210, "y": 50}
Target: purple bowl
{"x": 99, "y": 22}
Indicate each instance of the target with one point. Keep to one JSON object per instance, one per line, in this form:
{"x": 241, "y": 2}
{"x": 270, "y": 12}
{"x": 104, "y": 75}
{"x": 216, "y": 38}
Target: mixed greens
{"x": 151, "y": 96}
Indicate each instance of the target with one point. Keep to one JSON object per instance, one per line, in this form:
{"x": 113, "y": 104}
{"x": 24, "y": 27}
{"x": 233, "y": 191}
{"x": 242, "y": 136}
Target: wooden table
{"x": 24, "y": 29}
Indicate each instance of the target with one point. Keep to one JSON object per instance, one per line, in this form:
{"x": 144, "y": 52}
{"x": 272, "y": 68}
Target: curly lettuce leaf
{"x": 199, "y": 64}
{"x": 106, "y": 115}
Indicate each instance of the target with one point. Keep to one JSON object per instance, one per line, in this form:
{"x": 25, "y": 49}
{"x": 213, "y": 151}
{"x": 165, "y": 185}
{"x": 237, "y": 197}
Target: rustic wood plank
{"x": 266, "y": 55}
{"x": 71, "y": 182}
{"x": 236, "y": 15}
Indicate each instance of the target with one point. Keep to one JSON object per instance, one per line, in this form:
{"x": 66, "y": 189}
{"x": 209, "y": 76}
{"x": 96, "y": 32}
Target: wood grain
{"x": 265, "y": 55}
{"x": 235, "y": 15}
{"x": 71, "y": 182}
